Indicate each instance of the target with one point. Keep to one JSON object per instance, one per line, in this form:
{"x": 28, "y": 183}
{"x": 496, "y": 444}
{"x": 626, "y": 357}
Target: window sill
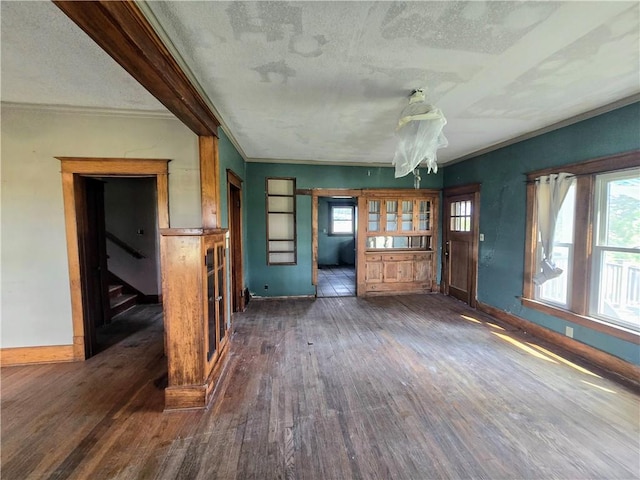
{"x": 589, "y": 322}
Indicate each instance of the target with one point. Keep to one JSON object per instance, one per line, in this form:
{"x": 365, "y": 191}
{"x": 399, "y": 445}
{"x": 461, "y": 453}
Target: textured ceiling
{"x": 46, "y": 59}
{"x": 325, "y": 81}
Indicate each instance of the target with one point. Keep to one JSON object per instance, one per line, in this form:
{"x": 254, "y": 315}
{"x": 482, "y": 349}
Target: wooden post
{"x": 209, "y": 184}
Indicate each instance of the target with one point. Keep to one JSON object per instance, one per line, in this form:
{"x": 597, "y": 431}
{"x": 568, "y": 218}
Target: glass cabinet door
{"x": 374, "y": 215}
{"x": 424, "y": 215}
{"x": 212, "y": 302}
{"x": 407, "y": 215}
{"x": 392, "y": 215}
{"x": 222, "y": 322}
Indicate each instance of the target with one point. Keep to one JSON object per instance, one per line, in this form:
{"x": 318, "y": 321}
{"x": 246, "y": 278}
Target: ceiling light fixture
{"x": 419, "y": 135}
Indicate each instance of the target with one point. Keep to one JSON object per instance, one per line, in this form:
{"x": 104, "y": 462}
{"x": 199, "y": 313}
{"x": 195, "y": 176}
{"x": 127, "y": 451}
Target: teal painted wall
{"x": 333, "y": 249}
{"x": 291, "y": 280}
{"x": 229, "y": 158}
{"x": 502, "y": 209}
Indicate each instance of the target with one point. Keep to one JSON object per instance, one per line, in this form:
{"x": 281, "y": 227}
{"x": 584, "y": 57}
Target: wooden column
{"x": 209, "y": 181}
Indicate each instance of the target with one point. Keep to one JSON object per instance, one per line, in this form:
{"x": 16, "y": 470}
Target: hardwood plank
{"x": 404, "y": 387}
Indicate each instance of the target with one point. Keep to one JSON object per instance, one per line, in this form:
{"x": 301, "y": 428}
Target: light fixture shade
{"x": 419, "y": 134}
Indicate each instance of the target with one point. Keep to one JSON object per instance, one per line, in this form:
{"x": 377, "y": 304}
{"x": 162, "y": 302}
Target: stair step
{"x": 114, "y": 291}
{"x": 121, "y": 303}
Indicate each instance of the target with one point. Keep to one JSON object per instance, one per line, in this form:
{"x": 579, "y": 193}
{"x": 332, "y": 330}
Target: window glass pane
{"x": 619, "y": 211}
{"x": 280, "y": 186}
{"x": 282, "y": 257}
{"x": 557, "y": 290}
{"x": 342, "y": 219}
{"x": 281, "y": 246}
{"x": 281, "y": 204}
{"x": 564, "y": 224}
{"x": 618, "y": 289}
{"x": 616, "y": 256}
{"x": 280, "y": 226}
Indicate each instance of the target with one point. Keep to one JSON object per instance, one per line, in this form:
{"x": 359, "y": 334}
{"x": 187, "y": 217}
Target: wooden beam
{"x": 121, "y": 29}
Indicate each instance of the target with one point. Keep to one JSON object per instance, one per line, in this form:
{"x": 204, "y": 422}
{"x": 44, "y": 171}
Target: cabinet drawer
{"x": 373, "y": 258}
{"x": 396, "y": 257}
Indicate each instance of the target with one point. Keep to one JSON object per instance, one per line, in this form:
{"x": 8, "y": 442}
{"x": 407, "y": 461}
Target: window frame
{"x": 351, "y": 206}
{"x": 579, "y": 298}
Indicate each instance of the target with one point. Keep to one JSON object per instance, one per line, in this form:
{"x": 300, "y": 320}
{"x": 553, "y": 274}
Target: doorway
{"x": 83, "y": 195}
{"x": 460, "y": 252}
{"x": 234, "y": 189}
{"x": 336, "y": 253}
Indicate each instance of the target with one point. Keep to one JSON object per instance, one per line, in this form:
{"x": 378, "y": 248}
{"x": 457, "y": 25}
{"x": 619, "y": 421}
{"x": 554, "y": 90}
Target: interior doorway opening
{"x": 336, "y": 252}
{"x": 83, "y": 182}
{"x": 120, "y": 257}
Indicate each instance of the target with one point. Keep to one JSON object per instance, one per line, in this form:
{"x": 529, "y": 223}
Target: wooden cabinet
{"x": 195, "y": 313}
{"x": 397, "y": 250}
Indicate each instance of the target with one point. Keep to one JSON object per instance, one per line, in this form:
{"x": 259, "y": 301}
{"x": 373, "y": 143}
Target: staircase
{"x": 120, "y": 301}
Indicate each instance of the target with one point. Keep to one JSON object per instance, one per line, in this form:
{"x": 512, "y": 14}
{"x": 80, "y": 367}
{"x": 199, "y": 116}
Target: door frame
{"x": 470, "y": 189}
{"x": 72, "y": 191}
{"x": 236, "y": 247}
{"x": 326, "y": 192}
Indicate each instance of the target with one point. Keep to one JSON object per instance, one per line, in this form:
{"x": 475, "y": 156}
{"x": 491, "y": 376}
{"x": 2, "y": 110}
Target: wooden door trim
{"x": 72, "y": 169}
{"x": 315, "y": 194}
{"x": 122, "y": 30}
{"x": 449, "y": 193}
{"x": 233, "y": 179}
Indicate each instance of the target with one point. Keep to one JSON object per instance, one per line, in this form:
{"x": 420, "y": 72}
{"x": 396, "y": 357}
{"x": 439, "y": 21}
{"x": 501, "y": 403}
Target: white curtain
{"x": 551, "y": 191}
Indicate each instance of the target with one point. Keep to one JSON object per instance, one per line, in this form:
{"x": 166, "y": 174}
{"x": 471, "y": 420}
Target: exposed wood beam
{"x": 121, "y": 29}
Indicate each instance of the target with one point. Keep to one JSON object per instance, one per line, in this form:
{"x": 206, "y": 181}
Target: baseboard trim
{"x": 628, "y": 371}
{"x": 34, "y": 355}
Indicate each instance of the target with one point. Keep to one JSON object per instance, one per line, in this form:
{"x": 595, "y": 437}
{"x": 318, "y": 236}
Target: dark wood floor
{"x": 336, "y": 388}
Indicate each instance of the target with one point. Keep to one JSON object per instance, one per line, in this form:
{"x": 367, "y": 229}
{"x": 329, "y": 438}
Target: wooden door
{"x": 460, "y": 252}
{"x": 95, "y": 282}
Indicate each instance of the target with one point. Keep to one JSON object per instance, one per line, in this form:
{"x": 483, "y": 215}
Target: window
{"x": 616, "y": 249}
{"x": 556, "y": 291}
{"x": 461, "y": 216}
{"x": 341, "y": 221}
{"x": 596, "y": 244}
{"x": 281, "y": 221}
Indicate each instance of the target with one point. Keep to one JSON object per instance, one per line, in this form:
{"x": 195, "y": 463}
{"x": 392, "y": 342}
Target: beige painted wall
{"x": 34, "y": 279}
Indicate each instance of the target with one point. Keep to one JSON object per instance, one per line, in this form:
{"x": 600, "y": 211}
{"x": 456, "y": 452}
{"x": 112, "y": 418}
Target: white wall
{"x": 130, "y": 215}
{"x": 34, "y": 279}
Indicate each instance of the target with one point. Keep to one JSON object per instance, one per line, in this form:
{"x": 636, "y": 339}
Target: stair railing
{"x": 124, "y": 246}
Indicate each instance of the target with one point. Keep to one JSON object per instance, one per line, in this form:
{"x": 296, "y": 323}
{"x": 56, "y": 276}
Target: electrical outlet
{"x": 568, "y": 331}
{"x": 266, "y": 287}
{"x": 482, "y": 237}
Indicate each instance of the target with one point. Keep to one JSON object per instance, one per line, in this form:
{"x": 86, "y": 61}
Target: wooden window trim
{"x": 579, "y": 299}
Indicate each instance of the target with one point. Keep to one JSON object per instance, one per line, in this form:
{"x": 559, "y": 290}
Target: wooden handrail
{"x": 125, "y": 246}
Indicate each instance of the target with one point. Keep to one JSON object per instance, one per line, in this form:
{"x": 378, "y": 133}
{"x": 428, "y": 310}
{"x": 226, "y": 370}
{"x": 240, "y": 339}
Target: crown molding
{"x": 320, "y": 162}
{"x": 93, "y": 111}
